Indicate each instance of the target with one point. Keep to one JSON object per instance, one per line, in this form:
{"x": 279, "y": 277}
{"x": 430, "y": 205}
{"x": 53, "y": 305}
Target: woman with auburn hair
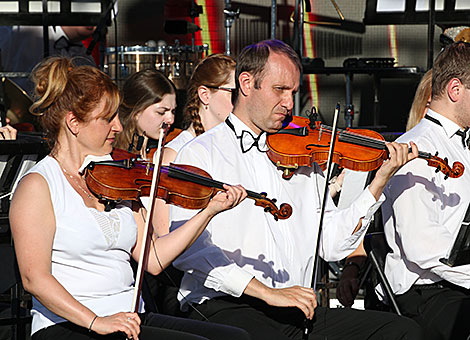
{"x": 74, "y": 257}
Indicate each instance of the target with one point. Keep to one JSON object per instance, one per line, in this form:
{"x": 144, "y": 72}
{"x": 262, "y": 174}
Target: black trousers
{"x": 266, "y": 322}
{"x": 442, "y": 309}
{"x": 153, "y": 327}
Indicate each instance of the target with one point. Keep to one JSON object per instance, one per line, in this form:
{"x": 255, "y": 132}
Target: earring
{"x": 206, "y": 106}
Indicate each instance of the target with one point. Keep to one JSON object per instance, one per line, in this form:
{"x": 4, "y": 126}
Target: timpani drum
{"x": 176, "y": 62}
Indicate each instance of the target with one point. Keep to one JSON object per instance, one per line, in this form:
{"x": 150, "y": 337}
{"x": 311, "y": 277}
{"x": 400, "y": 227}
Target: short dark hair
{"x": 253, "y": 59}
{"x": 452, "y": 62}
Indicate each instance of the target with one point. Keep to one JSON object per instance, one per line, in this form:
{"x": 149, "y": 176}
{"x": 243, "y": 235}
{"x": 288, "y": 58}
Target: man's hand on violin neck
{"x": 399, "y": 155}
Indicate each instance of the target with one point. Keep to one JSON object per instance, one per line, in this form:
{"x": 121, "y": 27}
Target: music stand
{"x": 447, "y": 12}
{"x": 460, "y": 252}
{"x": 432, "y": 12}
{"x": 16, "y": 158}
{"x": 59, "y": 13}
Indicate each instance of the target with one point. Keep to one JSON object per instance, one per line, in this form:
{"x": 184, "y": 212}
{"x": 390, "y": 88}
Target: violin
{"x": 182, "y": 185}
{"x": 304, "y": 141}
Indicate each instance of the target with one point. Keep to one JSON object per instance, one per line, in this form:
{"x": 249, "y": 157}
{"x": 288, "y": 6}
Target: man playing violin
{"x": 250, "y": 270}
{"x": 423, "y": 212}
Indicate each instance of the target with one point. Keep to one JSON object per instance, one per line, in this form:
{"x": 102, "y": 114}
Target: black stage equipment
{"x": 450, "y": 13}
{"x": 180, "y": 27}
{"x": 460, "y": 252}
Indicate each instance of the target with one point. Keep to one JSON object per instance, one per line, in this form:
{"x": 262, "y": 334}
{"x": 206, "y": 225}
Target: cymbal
{"x": 464, "y": 35}
{"x": 17, "y": 103}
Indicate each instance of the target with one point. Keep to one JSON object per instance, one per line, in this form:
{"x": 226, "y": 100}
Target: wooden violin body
{"x": 307, "y": 145}
{"x": 303, "y": 142}
{"x": 182, "y": 185}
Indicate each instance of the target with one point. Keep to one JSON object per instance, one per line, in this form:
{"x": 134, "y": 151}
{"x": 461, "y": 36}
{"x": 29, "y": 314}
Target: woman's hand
{"x": 7, "y": 133}
{"x": 227, "y": 199}
{"x": 128, "y": 323}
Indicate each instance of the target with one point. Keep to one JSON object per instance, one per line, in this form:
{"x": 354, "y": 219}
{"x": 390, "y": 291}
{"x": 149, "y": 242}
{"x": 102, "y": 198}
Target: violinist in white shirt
{"x": 423, "y": 211}
{"x": 254, "y": 272}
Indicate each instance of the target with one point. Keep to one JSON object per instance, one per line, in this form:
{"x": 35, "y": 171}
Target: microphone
{"x": 180, "y": 27}
{"x": 99, "y": 31}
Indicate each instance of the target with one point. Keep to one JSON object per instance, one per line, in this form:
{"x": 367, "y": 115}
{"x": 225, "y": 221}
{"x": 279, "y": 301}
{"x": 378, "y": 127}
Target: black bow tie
{"x": 247, "y": 140}
{"x": 465, "y": 135}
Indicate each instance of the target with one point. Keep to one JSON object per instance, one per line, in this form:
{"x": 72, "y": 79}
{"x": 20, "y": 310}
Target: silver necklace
{"x": 75, "y": 180}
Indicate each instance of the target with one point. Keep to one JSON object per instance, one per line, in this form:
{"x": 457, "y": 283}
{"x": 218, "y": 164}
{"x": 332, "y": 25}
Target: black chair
{"x": 377, "y": 249}
{"x": 13, "y": 313}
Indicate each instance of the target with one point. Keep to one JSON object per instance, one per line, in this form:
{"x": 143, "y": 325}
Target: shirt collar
{"x": 56, "y": 33}
{"x": 450, "y": 127}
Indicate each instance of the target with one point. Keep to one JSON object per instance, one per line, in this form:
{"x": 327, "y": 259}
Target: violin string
{"x": 358, "y": 138}
{"x": 355, "y": 138}
{"x": 199, "y": 179}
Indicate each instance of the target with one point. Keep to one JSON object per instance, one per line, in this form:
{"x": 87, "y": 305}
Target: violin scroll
{"x": 443, "y": 166}
{"x": 269, "y": 205}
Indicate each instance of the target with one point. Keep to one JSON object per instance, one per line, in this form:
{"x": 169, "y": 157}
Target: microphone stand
{"x": 230, "y": 16}
{"x": 99, "y": 33}
{"x": 45, "y": 29}
{"x": 194, "y": 13}
{"x": 316, "y": 263}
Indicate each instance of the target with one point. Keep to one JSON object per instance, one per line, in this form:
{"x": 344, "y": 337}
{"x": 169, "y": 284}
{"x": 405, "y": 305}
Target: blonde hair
{"x": 213, "y": 71}
{"x": 62, "y": 87}
{"x": 139, "y": 91}
{"x": 420, "y": 101}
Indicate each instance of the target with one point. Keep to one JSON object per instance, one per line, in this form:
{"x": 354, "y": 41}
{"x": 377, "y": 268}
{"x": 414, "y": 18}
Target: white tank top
{"x": 90, "y": 252}
{"x": 180, "y": 140}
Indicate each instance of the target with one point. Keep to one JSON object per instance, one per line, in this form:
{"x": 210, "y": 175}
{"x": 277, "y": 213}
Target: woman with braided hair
{"x": 208, "y": 104}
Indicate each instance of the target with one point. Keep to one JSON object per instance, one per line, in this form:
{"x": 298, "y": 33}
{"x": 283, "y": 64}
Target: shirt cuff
{"x": 236, "y": 281}
{"x": 367, "y": 204}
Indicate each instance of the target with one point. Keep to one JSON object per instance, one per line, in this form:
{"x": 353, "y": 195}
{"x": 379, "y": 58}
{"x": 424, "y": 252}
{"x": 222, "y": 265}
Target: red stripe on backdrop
{"x": 214, "y": 12}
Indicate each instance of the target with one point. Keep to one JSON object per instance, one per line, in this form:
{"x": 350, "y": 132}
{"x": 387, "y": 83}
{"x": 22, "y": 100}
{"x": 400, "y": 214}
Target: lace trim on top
{"x": 110, "y": 225}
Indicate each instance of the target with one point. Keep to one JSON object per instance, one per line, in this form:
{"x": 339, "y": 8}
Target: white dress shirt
{"x": 246, "y": 242}
{"x": 423, "y": 211}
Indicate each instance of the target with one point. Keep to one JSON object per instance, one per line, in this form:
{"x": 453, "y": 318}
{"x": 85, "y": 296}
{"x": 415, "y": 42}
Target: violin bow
{"x": 316, "y": 263}
{"x": 146, "y": 238}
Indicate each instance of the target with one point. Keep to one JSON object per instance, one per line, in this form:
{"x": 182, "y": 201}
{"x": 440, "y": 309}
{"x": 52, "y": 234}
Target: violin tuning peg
{"x": 274, "y": 200}
{"x": 446, "y": 176}
{"x": 446, "y": 160}
{"x": 267, "y": 209}
{"x": 276, "y": 218}
{"x": 437, "y": 153}
{"x": 264, "y": 194}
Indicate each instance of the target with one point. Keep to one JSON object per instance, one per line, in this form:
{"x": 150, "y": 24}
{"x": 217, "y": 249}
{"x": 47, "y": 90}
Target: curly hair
{"x": 212, "y": 71}
{"x": 62, "y": 87}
